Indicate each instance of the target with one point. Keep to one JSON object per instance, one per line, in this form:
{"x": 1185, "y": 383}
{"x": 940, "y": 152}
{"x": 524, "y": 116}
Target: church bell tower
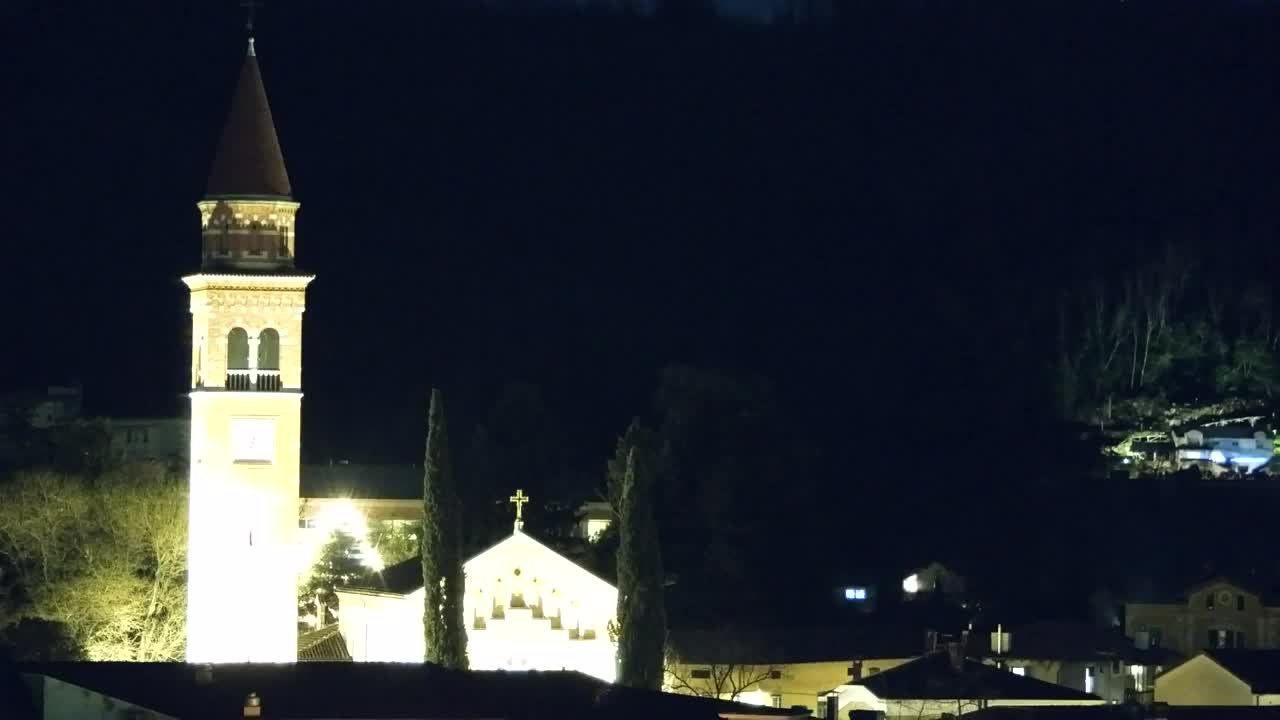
{"x": 246, "y": 394}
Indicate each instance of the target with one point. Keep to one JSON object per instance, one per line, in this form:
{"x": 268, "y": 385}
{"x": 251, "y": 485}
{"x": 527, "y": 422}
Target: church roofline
{"x": 394, "y": 572}
{"x": 243, "y": 197}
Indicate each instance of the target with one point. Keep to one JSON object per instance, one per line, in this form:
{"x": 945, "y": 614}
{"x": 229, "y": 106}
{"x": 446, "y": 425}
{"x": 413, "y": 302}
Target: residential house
{"x": 1220, "y": 613}
{"x": 945, "y": 682}
{"x": 792, "y": 667}
{"x": 1242, "y": 447}
{"x": 593, "y": 518}
{"x": 163, "y": 439}
{"x": 1101, "y": 661}
{"x": 934, "y": 580}
{"x": 1223, "y": 677}
{"x": 797, "y": 667}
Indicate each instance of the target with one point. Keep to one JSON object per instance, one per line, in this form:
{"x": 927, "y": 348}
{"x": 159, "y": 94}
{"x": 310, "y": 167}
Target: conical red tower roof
{"x": 249, "y": 161}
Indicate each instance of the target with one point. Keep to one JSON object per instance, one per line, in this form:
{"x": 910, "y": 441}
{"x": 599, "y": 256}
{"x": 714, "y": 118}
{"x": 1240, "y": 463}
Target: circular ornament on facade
{"x": 1224, "y": 597}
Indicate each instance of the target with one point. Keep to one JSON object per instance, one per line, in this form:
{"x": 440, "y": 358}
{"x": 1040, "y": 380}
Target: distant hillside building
{"x": 1242, "y": 447}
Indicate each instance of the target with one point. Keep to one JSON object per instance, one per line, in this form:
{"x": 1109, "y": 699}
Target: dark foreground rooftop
{"x": 1129, "y": 712}
{"x": 353, "y": 690}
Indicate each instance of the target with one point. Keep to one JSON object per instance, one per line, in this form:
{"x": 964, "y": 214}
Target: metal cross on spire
{"x": 252, "y": 6}
{"x": 519, "y": 499}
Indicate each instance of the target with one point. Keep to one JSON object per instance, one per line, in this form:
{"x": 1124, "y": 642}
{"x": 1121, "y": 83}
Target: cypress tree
{"x": 642, "y": 616}
{"x": 443, "y": 625}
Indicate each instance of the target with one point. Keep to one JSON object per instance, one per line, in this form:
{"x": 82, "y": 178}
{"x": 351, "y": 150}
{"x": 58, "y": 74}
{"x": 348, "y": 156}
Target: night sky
{"x": 874, "y": 211}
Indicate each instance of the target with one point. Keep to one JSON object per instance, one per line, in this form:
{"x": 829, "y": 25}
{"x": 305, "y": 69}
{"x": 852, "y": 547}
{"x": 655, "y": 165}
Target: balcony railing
{"x": 254, "y": 380}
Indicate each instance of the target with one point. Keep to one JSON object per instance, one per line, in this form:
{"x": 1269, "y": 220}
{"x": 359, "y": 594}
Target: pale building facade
{"x": 788, "y": 668}
{"x": 1078, "y": 655}
{"x": 1223, "y": 677}
{"x": 782, "y": 684}
{"x": 1215, "y": 614}
{"x": 527, "y": 608}
{"x": 246, "y": 392}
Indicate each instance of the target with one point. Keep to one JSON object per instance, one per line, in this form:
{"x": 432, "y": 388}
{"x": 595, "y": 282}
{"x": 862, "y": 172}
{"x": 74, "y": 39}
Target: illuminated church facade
{"x": 527, "y": 606}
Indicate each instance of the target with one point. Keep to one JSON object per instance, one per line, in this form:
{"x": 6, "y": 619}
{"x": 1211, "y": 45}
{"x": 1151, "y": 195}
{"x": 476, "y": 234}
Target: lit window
{"x": 595, "y": 527}
{"x": 911, "y": 584}
{"x": 855, "y": 593}
{"x": 1019, "y": 671}
{"x": 776, "y": 701}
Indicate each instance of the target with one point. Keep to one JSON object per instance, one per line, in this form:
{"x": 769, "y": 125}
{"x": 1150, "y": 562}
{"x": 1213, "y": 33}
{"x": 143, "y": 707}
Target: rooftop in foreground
{"x": 372, "y": 690}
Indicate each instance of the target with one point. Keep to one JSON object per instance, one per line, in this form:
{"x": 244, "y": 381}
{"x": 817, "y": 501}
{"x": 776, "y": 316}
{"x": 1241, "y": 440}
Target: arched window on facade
{"x": 269, "y": 350}
{"x": 269, "y": 360}
{"x": 237, "y": 349}
{"x": 237, "y": 359}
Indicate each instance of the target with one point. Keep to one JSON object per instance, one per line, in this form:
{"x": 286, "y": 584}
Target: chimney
{"x": 252, "y": 706}
{"x": 1000, "y": 641}
{"x": 955, "y": 651}
{"x": 204, "y": 675}
{"x": 930, "y": 641}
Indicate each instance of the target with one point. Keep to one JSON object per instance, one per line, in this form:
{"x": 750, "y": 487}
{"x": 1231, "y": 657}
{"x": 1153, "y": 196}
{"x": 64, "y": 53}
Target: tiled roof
{"x": 402, "y": 578}
{"x": 933, "y": 677}
{"x": 381, "y": 481}
{"x": 1228, "y": 431}
{"x": 323, "y": 645}
{"x": 376, "y": 690}
{"x": 248, "y": 161}
{"x": 1259, "y": 668}
{"x": 780, "y": 646}
{"x": 1069, "y": 641}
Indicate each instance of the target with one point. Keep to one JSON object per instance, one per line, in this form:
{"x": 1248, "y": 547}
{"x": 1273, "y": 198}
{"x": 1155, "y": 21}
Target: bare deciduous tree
{"x": 735, "y": 673}
{"x": 104, "y": 559}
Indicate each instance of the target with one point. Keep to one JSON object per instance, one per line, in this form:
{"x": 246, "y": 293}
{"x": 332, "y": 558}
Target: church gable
{"x": 527, "y": 608}
{"x": 405, "y": 578}
{"x": 533, "y": 561}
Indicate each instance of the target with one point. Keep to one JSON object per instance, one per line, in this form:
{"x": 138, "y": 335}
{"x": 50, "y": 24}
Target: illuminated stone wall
{"x": 243, "y": 514}
{"x": 255, "y": 303}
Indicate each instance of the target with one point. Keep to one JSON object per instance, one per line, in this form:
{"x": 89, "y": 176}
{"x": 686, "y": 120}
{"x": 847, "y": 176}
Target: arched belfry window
{"x": 237, "y": 349}
{"x": 269, "y": 350}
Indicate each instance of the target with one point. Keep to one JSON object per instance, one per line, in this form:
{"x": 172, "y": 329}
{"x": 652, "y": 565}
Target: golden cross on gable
{"x": 519, "y": 499}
